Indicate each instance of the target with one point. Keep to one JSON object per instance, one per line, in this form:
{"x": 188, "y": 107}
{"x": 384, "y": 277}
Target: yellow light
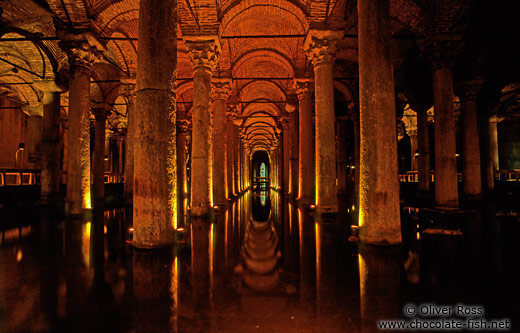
{"x": 85, "y": 244}
{"x": 105, "y": 230}
{"x": 131, "y": 229}
{"x": 87, "y": 204}
{"x": 19, "y": 255}
{"x": 418, "y": 235}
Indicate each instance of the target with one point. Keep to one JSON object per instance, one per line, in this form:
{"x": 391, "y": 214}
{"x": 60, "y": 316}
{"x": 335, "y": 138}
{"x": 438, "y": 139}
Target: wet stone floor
{"x": 260, "y": 265}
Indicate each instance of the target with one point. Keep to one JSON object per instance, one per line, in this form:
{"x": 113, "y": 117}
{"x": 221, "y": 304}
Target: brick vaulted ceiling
{"x": 262, "y": 42}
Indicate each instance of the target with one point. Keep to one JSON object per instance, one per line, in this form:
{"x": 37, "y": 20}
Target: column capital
{"x": 81, "y": 53}
{"x": 321, "y": 45}
{"x": 284, "y": 123}
{"x": 220, "y": 89}
{"x": 183, "y": 126}
{"x": 203, "y": 51}
{"x": 469, "y": 90}
{"x": 442, "y": 49}
{"x": 304, "y": 88}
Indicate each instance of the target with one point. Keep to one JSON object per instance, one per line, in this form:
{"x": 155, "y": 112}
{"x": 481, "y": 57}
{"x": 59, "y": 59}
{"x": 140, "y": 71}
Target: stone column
{"x": 220, "y": 95}
{"x": 154, "y": 199}
{"x": 33, "y": 139}
{"x": 446, "y": 184}
{"x": 50, "y": 162}
{"x": 306, "y": 179}
{"x": 98, "y": 155}
{"x": 293, "y": 158}
{"x": 230, "y": 151}
{"x": 183, "y": 129}
{"x": 493, "y": 142}
{"x": 341, "y": 153}
{"x": 321, "y": 47}
{"x": 379, "y": 212}
{"x": 423, "y": 145}
{"x": 285, "y": 154}
{"x": 471, "y": 176}
{"x": 203, "y": 52}
{"x": 129, "y": 146}
{"x": 81, "y": 58}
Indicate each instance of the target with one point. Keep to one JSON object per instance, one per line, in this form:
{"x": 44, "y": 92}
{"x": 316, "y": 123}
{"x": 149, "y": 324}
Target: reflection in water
{"x": 263, "y": 264}
{"x": 260, "y": 252}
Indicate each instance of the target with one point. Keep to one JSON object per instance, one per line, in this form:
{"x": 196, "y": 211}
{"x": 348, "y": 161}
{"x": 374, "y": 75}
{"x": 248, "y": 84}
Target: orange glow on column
{"x": 87, "y": 203}
{"x": 174, "y": 293}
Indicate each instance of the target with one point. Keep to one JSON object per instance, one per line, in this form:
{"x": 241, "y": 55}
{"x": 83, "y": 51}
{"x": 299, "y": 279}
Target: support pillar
{"x": 293, "y": 159}
{"x": 220, "y": 95}
{"x": 81, "y": 58}
{"x": 50, "y": 150}
{"x": 129, "y": 146}
{"x": 321, "y": 47}
{"x": 286, "y": 142}
{"x": 183, "y": 129}
{"x": 471, "y": 176}
{"x": 423, "y": 146}
{"x": 306, "y": 177}
{"x": 154, "y": 200}
{"x": 341, "y": 153}
{"x": 446, "y": 183}
{"x": 98, "y": 156}
{"x": 379, "y": 212}
{"x": 493, "y": 142}
{"x": 203, "y": 52}
{"x": 230, "y": 152}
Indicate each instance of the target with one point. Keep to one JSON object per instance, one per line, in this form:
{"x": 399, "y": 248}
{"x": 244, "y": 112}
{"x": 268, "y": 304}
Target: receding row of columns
{"x": 305, "y": 160}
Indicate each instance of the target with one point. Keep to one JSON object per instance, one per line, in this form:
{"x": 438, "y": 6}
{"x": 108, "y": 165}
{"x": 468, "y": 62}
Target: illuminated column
{"x": 50, "y": 174}
{"x": 293, "y": 158}
{"x": 471, "y": 176}
{"x": 341, "y": 147}
{"x": 33, "y": 138}
{"x": 81, "y": 58}
{"x": 285, "y": 154}
{"x": 183, "y": 129}
{"x": 154, "y": 200}
{"x": 321, "y": 47}
{"x": 220, "y": 95}
{"x": 493, "y": 141}
{"x": 98, "y": 155}
{"x": 446, "y": 184}
{"x": 304, "y": 89}
{"x": 423, "y": 146}
{"x": 230, "y": 151}
{"x": 203, "y": 52}
{"x": 129, "y": 146}
{"x": 379, "y": 212}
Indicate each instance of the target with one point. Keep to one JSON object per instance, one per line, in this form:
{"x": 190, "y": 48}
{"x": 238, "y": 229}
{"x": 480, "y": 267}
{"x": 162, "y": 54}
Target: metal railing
{"x": 23, "y": 177}
{"x": 500, "y": 175}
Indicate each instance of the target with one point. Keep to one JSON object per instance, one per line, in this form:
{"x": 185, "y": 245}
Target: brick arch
{"x": 261, "y": 89}
{"x": 267, "y": 10}
{"x": 280, "y": 64}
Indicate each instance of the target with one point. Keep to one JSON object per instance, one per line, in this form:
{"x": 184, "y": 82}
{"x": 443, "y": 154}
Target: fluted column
{"x": 306, "y": 178}
{"x": 446, "y": 184}
{"x": 321, "y": 47}
{"x": 220, "y": 95}
{"x": 471, "y": 176}
{"x": 203, "y": 52}
{"x": 155, "y": 191}
{"x": 129, "y": 146}
{"x": 81, "y": 59}
{"x": 50, "y": 159}
{"x": 379, "y": 212}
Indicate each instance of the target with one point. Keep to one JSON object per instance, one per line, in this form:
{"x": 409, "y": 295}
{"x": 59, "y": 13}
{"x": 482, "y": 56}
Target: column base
{"x": 388, "y": 241}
